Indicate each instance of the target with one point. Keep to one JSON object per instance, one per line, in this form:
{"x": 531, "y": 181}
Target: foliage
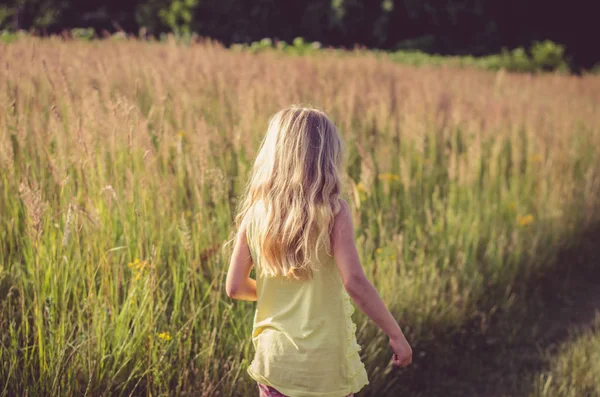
{"x": 7, "y": 36}
{"x": 545, "y": 56}
{"x": 83, "y": 33}
{"x": 297, "y": 47}
{"x": 178, "y": 15}
{"x": 456, "y": 27}
{"x": 575, "y": 368}
{"x": 121, "y": 163}
{"x": 41, "y": 14}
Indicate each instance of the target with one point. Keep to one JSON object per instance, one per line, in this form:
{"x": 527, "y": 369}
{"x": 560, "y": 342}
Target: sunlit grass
{"x": 574, "y": 368}
{"x": 121, "y": 164}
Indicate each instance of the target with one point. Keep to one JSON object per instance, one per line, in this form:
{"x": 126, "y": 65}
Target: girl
{"x": 297, "y": 231}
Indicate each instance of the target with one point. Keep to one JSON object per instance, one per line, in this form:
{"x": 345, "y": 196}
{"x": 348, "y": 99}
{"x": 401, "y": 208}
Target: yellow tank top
{"x": 303, "y": 334}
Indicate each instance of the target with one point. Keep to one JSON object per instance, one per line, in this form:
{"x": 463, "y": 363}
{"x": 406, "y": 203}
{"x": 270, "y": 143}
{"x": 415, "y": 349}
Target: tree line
{"x": 459, "y": 27}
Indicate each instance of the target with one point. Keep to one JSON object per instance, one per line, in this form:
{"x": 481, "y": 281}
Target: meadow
{"x": 121, "y": 165}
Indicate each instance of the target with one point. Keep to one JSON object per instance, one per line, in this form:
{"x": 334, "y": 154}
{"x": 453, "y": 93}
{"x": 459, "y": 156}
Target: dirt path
{"x": 501, "y": 361}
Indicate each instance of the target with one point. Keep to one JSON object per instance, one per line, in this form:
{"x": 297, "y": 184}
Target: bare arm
{"x": 239, "y": 285}
{"x": 360, "y": 289}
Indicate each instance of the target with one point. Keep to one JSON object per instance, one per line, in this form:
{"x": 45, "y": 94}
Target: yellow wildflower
{"x": 512, "y": 206}
{"x": 134, "y": 264}
{"x": 138, "y": 264}
{"x": 525, "y": 220}
{"x": 379, "y": 251}
{"x": 361, "y": 192}
{"x": 165, "y": 336}
{"x": 181, "y": 134}
{"x": 389, "y": 177}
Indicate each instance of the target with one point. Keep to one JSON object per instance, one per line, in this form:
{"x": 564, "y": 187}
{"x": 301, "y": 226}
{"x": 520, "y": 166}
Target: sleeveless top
{"x": 303, "y": 334}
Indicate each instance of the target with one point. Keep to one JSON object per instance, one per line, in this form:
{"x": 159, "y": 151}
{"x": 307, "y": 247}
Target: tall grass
{"x": 574, "y": 368}
{"x": 120, "y": 168}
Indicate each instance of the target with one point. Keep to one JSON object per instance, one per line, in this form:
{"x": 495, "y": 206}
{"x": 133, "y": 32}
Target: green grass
{"x": 121, "y": 163}
{"x": 574, "y": 368}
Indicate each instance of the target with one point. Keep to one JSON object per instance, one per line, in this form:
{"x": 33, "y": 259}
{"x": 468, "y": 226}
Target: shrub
{"x": 547, "y": 55}
{"x": 83, "y": 33}
{"x": 516, "y": 60}
{"x": 542, "y": 56}
{"x": 7, "y": 36}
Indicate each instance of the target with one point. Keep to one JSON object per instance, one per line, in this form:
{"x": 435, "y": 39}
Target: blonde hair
{"x": 293, "y": 193}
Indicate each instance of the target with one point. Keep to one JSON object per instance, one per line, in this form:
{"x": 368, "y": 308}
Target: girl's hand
{"x": 402, "y": 351}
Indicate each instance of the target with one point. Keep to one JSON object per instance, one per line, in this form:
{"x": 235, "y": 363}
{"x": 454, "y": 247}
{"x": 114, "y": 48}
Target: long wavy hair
{"x": 293, "y": 194}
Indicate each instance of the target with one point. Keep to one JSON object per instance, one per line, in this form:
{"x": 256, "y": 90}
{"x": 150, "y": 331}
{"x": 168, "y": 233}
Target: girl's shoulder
{"x": 344, "y": 213}
{"x": 342, "y": 224}
{"x": 344, "y": 206}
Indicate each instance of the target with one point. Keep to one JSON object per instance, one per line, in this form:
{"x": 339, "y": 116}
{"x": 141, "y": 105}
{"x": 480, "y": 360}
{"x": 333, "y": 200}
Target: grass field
{"x": 575, "y": 368}
{"x": 121, "y": 163}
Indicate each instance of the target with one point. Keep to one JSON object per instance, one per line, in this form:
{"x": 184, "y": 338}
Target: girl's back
{"x": 303, "y": 332}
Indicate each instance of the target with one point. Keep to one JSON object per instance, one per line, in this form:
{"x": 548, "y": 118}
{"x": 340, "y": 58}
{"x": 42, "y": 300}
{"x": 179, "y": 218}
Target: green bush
{"x": 542, "y": 56}
{"x": 297, "y": 47}
{"x": 7, "y": 36}
{"x": 178, "y": 15}
{"x": 258, "y": 46}
{"x": 548, "y": 55}
{"x": 83, "y": 33}
{"x": 517, "y": 60}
